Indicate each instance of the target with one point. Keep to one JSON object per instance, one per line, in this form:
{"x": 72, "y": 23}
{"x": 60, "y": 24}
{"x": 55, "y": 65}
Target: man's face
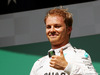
{"x": 56, "y": 30}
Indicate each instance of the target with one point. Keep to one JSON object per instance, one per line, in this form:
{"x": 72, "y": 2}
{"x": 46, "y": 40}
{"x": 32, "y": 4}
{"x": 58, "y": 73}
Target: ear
{"x": 69, "y": 29}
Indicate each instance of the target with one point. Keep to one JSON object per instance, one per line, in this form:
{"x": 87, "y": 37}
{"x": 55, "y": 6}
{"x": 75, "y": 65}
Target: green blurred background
{"x": 18, "y": 60}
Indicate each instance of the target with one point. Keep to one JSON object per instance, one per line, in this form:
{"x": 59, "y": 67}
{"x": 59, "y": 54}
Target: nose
{"x": 52, "y": 29}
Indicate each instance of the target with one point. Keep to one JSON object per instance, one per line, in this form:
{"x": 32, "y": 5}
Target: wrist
{"x": 68, "y": 68}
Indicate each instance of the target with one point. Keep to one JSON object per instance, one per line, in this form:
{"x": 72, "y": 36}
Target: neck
{"x": 58, "y": 45}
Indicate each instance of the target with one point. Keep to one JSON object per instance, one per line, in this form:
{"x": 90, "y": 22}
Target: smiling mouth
{"x": 53, "y": 35}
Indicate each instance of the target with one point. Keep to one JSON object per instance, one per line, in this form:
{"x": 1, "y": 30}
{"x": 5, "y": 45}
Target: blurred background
{"x": 22, "y": 32}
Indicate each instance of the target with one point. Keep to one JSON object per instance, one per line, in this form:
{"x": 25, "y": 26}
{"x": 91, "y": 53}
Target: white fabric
{"x": 79, "y": 63}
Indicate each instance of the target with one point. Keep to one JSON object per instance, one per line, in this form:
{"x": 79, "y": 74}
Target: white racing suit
{"x": 79, "y": 63}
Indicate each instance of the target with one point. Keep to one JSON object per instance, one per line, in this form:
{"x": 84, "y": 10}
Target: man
{"x": 66, "y": 59}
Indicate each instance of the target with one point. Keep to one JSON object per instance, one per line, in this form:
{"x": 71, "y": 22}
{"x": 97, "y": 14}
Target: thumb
{"x": 61, "y": 52}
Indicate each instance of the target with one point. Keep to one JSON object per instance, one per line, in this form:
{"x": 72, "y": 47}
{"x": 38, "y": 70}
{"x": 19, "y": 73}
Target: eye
{"x": 57, "y": 26}
{"x": 48, "y": 26}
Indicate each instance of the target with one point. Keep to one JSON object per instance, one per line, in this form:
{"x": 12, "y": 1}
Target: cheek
{"x": 47, "y": 31}
{"x": 63, "y": 34}
{"x": 63, "y": 31}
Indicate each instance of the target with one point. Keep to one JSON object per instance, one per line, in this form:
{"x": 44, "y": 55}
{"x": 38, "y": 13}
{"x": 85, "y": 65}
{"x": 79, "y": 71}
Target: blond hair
{"x": 67, "y": 16}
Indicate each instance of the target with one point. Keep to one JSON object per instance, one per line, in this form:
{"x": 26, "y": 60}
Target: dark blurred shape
{"x": 25, "y": 5}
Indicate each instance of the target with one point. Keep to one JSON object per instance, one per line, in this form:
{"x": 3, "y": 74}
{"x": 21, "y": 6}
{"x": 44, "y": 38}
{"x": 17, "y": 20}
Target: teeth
{"x": 52, "y": 34}
{"x": 49, "y": 33}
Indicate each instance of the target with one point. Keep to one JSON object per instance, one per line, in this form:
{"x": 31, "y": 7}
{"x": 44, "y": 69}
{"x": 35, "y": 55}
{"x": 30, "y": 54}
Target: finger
{"x": 54, "y": 57}
{"x": 53, "y": 60}
{"x": 53, "y": 64}
{"x": 61, "y": 52}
